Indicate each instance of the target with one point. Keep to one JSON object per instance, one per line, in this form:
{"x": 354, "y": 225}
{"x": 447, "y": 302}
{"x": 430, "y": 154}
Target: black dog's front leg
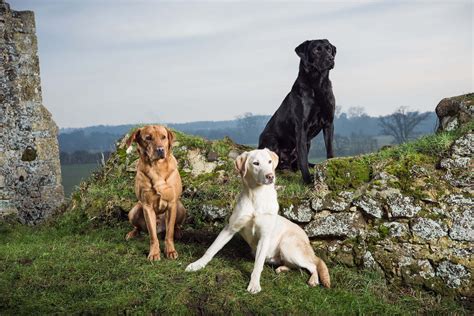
{"x": 302, "y": 152}
{"x": 328, "y": 140}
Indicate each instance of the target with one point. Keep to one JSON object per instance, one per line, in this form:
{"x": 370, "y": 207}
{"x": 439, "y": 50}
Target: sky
{"x": 141, "y": 61}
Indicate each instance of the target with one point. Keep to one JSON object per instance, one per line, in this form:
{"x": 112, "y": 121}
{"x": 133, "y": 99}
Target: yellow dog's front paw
{"x": 154, "y": 255}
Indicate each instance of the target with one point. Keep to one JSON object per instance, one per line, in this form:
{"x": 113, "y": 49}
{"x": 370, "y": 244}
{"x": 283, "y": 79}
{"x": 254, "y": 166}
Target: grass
{"x": 75, "y": 267}
{"x": 81, "y": 263}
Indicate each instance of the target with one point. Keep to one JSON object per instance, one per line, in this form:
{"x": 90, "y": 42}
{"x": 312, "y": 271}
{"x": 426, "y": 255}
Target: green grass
{"x": 81, "y": 263}
{"x": 72, "y": 266}
{"x": 72, "y": 175}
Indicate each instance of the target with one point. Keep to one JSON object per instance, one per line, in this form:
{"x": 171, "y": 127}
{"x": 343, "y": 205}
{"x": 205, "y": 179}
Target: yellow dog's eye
{"x": 256, "y": 163}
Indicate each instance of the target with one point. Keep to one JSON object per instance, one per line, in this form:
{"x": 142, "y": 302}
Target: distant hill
{"x": 244, "y": 130}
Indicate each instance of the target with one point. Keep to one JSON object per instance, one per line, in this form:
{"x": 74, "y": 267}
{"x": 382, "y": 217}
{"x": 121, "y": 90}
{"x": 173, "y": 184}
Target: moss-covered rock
{"x": 402, "y": 211}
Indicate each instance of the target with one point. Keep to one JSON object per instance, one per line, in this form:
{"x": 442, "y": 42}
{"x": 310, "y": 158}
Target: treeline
{"x": 355, "y": 133}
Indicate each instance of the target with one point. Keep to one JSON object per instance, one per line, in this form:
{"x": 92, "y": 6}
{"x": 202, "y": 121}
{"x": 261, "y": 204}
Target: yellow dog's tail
{"x": 323, "y": 272}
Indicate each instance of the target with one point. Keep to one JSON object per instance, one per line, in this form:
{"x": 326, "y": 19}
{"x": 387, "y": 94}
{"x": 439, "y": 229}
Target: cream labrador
{"x": 273, "y": 238}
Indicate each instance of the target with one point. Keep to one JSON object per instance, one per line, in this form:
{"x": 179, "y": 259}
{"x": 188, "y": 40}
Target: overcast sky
{"x": 116, "y": 62}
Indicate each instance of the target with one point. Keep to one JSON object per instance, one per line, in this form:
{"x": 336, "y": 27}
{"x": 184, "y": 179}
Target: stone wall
{"x": 30, "y": 174}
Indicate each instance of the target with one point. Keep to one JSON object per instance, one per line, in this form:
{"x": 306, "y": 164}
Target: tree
{"x": 356, "y": 111}
{"x": 402, "y": 123}
{"x": 338, "y": 111}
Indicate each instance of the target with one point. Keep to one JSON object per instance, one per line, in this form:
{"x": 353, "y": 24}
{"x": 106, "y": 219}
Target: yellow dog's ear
{"x": 274, "y": 157}
{"x": 171, "y": 138}
{"x": 133, "y": 137}
{"x": 241, "y": 164}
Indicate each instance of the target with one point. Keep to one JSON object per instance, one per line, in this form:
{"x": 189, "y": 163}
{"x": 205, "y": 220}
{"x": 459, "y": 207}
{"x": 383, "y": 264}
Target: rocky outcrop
{"x": 30, "y": 174}
{"x": 455, "y": 112}
{"x": 405, "y": 211}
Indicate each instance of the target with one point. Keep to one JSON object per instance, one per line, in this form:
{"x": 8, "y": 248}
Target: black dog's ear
{"x": 334, "y": 50}
{"x": 301, "y": 49}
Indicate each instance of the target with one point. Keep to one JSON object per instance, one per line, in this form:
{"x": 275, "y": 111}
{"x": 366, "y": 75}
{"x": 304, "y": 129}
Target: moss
{"x": 29, "y": 154}
{"x": 384, "y": 231}
{"x": 347, "y": 173}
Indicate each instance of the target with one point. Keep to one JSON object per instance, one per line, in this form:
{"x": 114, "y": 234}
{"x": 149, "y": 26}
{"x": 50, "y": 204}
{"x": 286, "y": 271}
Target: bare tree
{"x": 401, "y": 124}
{"x": 247, "y": 121}
{"x": 356, "y": 111}
{"x": 338, "y": 111}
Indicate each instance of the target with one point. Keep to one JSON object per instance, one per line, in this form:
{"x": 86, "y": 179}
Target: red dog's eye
{"x": 148, "y": 137}
{"x": 163, "y": 137}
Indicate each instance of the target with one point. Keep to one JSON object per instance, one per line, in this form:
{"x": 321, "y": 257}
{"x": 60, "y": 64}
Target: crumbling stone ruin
{"x": 405, "y": 211}
{"x": 30, "y": 174}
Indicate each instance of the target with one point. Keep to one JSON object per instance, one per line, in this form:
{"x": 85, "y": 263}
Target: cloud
{"x": 111, "y": 62}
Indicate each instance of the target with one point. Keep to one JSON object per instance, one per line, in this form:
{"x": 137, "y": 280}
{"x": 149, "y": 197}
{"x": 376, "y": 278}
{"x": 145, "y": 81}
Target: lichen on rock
{"x": 393, "y": 210}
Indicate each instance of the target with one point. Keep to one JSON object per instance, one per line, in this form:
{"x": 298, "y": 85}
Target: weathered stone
{"x": 453, "y": 274}
{"x": 460, "y": 200}
{"x": 454, "y": 112}
{"x": 369, "y": 206}
{"x": 428, "y": 229}
{"x": 213, "y": 212}
{"x": 457, "y": 163}
{"x": 29, "y": 155}
{"x": 426, "y": 270}
{"x": 301, "y": 213}
{"x": 198, "y": 164}
{"x": 401, "y": 206}
{"x": 397, "y": 229}
{"x": 369, "y": 262}
{"x": 463, "y": 226}
{"x": 233, "y": 154}
{"x": 335, "y": 225}
{"x": 464, "y": 146}
{"x": 212, "y": 156}
{"x": 317, "y": 204}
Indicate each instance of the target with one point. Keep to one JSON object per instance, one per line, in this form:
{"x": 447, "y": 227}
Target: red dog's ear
{"x": 133, "y": 137}
{"x": 171, "y": 138}
{"x": 241, "y": 164}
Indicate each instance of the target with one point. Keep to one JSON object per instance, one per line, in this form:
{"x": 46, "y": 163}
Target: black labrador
{"x": 306, "y": 110}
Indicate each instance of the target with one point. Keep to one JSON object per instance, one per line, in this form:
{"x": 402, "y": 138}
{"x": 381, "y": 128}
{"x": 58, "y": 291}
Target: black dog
{"x": 306, "y": 110}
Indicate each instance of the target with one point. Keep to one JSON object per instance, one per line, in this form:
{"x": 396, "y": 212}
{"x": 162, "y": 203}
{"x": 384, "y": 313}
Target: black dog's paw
{"x": 308, "y": 179}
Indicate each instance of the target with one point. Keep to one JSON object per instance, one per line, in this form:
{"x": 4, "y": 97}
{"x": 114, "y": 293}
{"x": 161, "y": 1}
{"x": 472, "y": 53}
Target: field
{"x": 74, "y": 267}
{"x": 73, "y": 174}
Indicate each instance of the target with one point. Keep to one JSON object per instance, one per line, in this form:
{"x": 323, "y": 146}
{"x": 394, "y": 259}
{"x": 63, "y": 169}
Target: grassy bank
{"x": 76, "y": 267}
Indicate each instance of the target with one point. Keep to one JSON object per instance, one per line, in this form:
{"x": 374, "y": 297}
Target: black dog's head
{"x": 318, "y": 54}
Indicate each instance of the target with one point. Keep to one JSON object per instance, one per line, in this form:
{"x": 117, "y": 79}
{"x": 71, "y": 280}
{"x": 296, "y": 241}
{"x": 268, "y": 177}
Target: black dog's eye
{"x": 256, "y": 163}
{"x": 319, "y": 48}
{"x": 327, "y": 47}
